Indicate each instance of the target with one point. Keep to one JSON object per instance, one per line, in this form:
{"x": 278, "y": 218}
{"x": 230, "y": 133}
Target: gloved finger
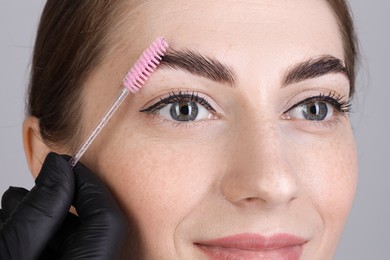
{"x": 2, "y": 218}
{"x": 64, "y": 236}
{"x": 11, "y": 199}
{"x": 103, "y": 226}
{"x": 41, "y": 212}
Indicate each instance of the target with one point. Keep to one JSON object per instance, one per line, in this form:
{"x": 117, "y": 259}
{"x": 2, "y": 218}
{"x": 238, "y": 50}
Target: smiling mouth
{"x": 253, "y": 246}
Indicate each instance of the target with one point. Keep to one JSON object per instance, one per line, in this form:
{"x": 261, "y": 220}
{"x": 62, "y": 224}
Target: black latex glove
{"x": 40, "y": 226}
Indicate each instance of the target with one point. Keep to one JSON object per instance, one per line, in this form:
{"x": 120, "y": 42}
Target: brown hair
{"x": 343, "y": 15}
{"x": 73, "y": 37}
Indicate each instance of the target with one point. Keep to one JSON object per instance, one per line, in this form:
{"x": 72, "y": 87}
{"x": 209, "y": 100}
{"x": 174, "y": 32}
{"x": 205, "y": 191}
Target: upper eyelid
{"x": 177, "y": 97}
{"x": 329, "y": 98}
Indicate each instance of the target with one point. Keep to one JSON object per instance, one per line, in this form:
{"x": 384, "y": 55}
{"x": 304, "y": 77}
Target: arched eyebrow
{"x": 314, "y": 68}
{"x": 213, "y": 69}
{"x": 200, "y": 65}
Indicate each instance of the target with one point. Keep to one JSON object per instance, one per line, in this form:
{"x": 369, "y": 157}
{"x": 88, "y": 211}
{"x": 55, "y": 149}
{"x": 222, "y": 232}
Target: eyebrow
{"x": 200, "y": 65}
{"x": 314, "y": 68}
{"x": 210, "y": 68}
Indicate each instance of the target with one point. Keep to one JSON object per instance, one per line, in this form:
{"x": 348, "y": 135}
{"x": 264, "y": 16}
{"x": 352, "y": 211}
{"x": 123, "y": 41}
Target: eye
{"x": 185, "y": 111}
{"x": 313, "y": 111}
{"x": 182, "y": 107}
{"x": 319, "y": 108}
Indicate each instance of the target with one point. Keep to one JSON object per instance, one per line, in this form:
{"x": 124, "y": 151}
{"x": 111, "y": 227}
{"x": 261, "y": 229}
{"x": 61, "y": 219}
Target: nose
{"x": 260, "y": 170}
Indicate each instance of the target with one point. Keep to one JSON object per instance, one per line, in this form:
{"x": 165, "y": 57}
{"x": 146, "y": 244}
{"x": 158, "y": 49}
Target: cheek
{"x": 335, "y": 180}
{"x": 329, "y": 177}
{"x": 157, "y": 181}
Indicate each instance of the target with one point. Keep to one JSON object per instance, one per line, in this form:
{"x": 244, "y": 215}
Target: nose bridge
{"x": 260, "y": 170}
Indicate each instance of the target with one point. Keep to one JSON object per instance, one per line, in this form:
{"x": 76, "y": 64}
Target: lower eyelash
{"x": 177, "y": 124}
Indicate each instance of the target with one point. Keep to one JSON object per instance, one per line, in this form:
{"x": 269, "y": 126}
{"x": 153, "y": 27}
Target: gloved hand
{"x": 37, "y": 224}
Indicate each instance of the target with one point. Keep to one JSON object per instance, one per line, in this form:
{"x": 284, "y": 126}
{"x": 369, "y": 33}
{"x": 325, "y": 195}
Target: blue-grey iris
{"x": 315, "y": 111}
{"x": 184, "y": 111}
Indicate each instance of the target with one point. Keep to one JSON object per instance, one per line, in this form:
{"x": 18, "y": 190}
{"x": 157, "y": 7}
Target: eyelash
{"x": 180, "y": 96}
{"x": 340, "y": 103}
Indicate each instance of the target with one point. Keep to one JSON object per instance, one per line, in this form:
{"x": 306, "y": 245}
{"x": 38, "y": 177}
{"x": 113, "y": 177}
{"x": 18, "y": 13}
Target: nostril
{"x": 254, "y": 199}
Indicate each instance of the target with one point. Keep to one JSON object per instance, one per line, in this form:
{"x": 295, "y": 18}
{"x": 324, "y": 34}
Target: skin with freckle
{"x": 254, "y": 165}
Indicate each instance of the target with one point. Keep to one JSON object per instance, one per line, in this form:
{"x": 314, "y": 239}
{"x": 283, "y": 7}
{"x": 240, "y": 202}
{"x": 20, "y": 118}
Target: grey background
{"x": 367, "y": 231}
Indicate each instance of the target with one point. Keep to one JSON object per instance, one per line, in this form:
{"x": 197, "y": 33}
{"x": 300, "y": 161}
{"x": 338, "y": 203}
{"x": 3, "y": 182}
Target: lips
{"x": 253, "y": 246}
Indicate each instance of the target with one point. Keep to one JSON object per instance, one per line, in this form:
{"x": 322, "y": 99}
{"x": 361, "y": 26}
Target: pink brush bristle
{"x": 133, "y": 82}
{"x": 145, "y": 65}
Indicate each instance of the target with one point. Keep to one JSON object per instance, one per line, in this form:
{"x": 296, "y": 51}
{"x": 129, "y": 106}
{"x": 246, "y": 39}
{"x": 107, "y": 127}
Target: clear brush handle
{"x": 76, "y": 157}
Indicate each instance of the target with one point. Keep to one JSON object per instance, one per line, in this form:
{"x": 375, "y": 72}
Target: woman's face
{"x": 247, "y": 151}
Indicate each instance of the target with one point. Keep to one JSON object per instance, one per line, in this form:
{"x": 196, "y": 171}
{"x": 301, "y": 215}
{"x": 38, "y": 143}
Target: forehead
{"x": 277, "y": 30}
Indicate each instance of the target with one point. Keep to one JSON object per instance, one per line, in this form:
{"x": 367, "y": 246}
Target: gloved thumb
{"x": 35, "y": 220}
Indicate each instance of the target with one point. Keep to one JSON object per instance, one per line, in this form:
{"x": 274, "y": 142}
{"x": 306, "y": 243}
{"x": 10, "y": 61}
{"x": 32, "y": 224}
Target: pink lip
{"x": 254, "y": 246}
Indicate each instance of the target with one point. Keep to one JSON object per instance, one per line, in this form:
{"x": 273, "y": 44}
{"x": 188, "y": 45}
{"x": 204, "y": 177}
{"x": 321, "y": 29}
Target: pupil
{"x": 184, "y": 109}
{"x": 313, "y": 109}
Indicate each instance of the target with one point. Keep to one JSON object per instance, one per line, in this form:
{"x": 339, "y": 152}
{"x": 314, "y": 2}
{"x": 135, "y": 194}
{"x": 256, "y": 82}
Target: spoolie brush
{"x": 133, "y": 82}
